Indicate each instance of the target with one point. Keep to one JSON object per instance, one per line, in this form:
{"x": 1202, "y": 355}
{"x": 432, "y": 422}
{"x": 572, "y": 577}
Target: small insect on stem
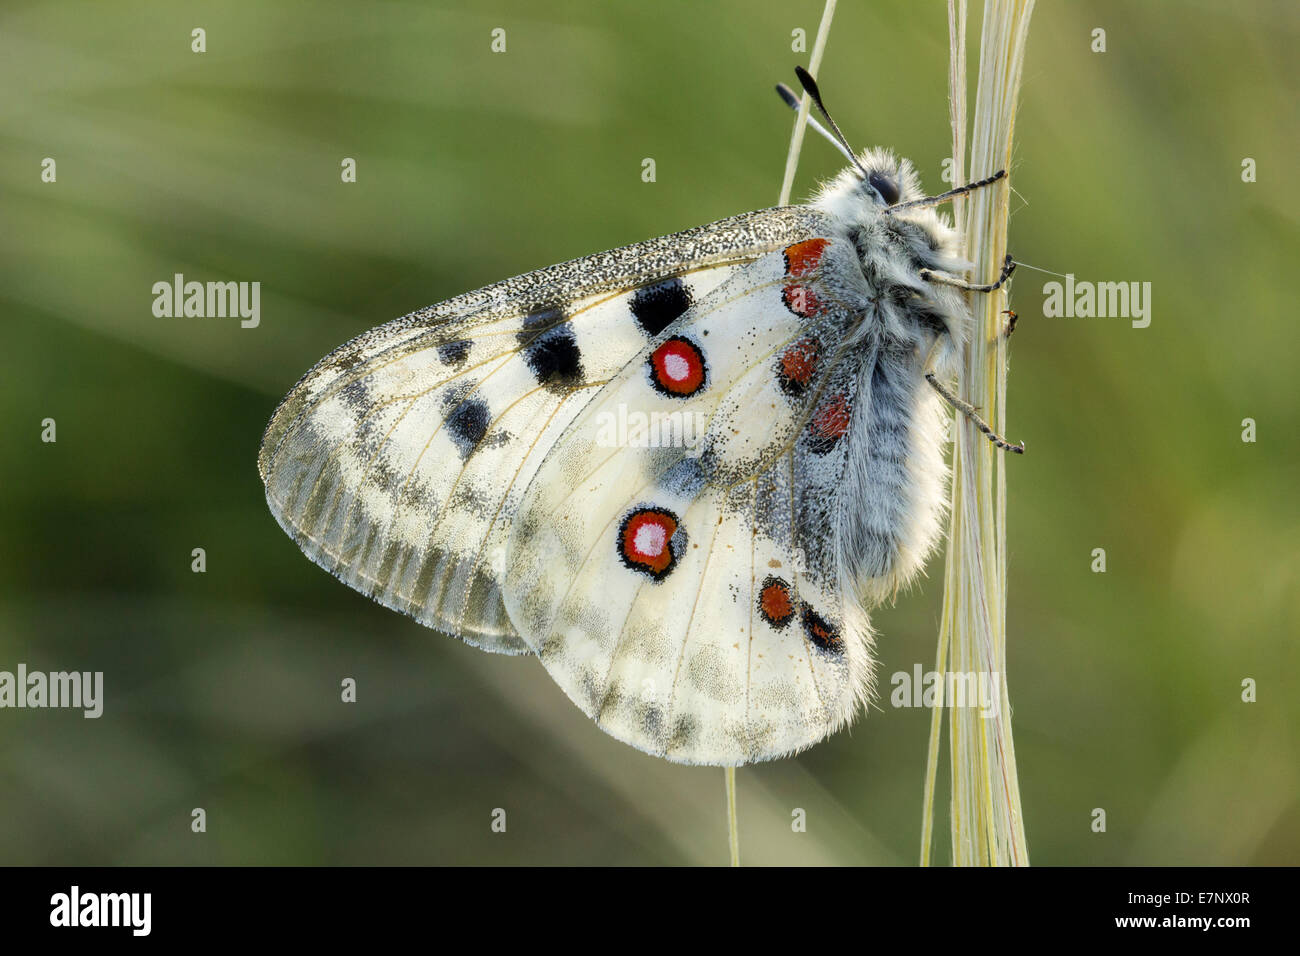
{"x": 1011, "y": 322}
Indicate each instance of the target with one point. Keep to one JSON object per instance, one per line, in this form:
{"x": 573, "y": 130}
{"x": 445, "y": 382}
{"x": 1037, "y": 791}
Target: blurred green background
{"x": 223, "y": 688}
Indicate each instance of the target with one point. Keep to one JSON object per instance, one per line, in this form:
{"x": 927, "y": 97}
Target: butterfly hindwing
{"x": 688, "y": 598}
{"x": 398, "y": 462}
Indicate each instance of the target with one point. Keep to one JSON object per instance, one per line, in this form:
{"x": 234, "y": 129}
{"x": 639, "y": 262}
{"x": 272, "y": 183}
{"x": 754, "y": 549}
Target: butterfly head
{"x": 883, "y": 178}
{"x": 877, "y": 181}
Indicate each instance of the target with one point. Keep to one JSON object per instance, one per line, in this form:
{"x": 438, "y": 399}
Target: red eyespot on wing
{"x": 803, "y": 257}
{"x": 677, "y": 367}
{"x": 645, "y": 541}
{"x": 801, "y": 300}
{"x": 775, "y": 603}
{"x": 828, "y": 424}
{"x": 797, "y": 364}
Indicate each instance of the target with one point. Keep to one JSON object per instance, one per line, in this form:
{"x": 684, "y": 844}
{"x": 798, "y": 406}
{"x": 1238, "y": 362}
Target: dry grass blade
{"x": 986, "y": 820}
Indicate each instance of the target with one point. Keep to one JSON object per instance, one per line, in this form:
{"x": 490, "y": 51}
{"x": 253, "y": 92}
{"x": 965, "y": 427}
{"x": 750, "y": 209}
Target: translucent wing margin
{"x": 398, "y": 461}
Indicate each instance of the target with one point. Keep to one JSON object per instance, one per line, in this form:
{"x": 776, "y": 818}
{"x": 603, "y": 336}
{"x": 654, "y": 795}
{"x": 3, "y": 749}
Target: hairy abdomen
{"x": 891, "y": 503}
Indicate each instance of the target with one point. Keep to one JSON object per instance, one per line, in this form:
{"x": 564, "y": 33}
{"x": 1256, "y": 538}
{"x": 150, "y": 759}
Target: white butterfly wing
{"x": 689, "y": 599}
{"x": 397, "y": 462}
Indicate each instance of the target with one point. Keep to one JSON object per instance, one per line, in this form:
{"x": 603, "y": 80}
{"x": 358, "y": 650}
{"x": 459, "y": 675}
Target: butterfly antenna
{"x": 792, "y": 101}
{"x": 810, "y": 87}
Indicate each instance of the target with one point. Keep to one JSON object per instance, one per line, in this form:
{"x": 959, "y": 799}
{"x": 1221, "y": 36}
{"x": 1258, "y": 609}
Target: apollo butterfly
{"x": 706, "y": 603}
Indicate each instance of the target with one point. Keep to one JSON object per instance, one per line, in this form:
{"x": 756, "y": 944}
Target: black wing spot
{"x": 553, "y": 356}
{"x": 658, "y": 306}
{"x": 467, "y": 424}
{"x": 453, "y": 353}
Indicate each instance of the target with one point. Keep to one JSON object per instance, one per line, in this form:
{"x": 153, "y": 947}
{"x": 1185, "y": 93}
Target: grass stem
{"x": 986, "y": 821}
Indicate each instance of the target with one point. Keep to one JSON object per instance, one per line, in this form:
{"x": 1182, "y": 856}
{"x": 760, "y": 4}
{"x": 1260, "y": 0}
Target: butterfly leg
{"x": 966, "y": 408}
{"x": 1008, "y": 267}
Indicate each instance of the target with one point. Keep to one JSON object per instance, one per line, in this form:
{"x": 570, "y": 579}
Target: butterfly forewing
{"x": 398, "y": 462}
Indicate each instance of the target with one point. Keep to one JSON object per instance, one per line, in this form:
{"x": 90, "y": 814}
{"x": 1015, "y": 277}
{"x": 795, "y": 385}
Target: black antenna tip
{"x": 808, "y": 83}
{"x": 788, "y": 95}
{"x": 810, "y": 87}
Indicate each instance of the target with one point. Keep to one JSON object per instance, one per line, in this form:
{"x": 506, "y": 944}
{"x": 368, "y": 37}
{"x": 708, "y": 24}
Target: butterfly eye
{"x": 887, "y": 188}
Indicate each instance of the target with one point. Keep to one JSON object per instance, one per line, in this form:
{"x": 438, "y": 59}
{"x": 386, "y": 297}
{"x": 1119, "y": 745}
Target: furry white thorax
{"x": 893, "y": 247}
{"x": 894, "y": 496}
